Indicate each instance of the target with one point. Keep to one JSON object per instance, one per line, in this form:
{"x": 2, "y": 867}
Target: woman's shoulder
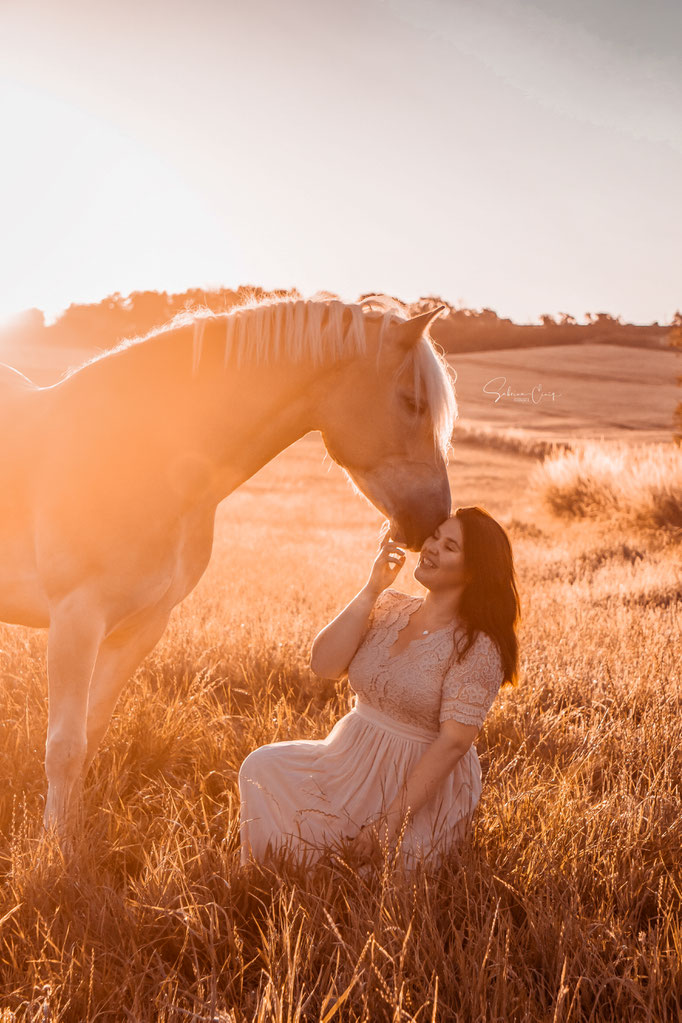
{"x": 486, "y": 650}
{"x": 388, "y": 604}
{"x": 483, "y": 647}
{"x": 392, "y": 596}
{"x": 391, "y": 599}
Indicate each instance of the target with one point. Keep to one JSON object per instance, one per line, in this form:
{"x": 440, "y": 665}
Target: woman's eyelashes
{"x": 452, "y": 548}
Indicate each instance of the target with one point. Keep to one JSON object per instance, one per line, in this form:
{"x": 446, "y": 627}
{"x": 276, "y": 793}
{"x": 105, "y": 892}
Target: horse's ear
{"x": 409, "y": 332}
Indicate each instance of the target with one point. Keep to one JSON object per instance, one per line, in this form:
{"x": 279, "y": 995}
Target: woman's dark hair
{"x": 490, "y": 600}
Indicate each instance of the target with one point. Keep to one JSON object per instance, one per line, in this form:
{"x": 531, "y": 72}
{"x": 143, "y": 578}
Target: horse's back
{"x": 13, "y": 381}
{"x": 16, "y": 393}
{"x": 21, "y": 441}
{"x": 19, "y": 412}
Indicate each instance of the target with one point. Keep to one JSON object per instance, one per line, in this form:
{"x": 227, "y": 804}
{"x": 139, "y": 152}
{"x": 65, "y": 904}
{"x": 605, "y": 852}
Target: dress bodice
{"x": 423, "y": 683}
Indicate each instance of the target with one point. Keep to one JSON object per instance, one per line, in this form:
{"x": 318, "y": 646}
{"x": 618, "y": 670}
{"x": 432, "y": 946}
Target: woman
{"x": 425, "y": 671}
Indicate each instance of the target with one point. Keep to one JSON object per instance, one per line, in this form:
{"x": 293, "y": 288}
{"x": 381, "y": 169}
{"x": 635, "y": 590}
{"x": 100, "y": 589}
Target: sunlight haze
{"x": 525, "y": 158}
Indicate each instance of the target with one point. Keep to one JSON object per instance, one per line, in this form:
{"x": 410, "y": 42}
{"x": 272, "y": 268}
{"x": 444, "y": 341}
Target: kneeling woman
{"x": 425, "y": 671}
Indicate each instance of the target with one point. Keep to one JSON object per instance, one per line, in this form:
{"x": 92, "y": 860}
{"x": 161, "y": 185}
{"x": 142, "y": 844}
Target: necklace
{"x": 426, "y": 632}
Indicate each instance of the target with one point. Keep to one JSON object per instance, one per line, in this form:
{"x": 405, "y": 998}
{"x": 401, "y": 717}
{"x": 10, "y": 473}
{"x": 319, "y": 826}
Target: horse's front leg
{"x": 119, "y": 656}
{"x": 74, "y": 639}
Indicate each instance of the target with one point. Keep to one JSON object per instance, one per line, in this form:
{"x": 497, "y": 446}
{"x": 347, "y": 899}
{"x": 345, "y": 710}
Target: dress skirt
{"x": 309, "y": 794}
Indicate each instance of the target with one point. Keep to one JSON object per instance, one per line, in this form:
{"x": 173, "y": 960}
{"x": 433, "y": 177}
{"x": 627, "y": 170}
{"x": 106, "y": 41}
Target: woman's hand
{"x": 389, "y": 560}
{"x": 365, "y": 845}
{"x": 335, "y": 646}
{"x": 372, "y": 837}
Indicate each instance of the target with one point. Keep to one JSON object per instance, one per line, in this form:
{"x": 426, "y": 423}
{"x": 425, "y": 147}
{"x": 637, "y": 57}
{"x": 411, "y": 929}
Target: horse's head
{"x": 387, "y": 420}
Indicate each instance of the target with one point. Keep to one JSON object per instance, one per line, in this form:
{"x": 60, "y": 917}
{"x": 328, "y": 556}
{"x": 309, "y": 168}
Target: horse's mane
{"x": 324, "y": 329}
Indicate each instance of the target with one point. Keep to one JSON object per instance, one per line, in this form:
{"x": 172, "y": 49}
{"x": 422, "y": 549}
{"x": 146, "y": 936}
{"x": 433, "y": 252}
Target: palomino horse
{"x": 111, "y": 477}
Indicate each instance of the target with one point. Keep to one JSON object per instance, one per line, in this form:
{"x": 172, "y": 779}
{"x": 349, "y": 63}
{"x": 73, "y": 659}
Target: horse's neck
{"x": 235, "y": 419}
{"x": 260, "y": 412}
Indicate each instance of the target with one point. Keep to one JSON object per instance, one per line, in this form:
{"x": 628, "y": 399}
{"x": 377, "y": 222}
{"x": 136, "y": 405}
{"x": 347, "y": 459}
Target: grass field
{"x": 609, "y": 391}
{"x": 566, "y": 904}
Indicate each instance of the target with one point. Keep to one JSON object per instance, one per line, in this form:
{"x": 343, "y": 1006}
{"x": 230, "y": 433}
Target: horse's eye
{"x": 416, "y": 408}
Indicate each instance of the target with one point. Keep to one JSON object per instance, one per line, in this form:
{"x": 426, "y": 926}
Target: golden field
{"x": 566, "y": 904}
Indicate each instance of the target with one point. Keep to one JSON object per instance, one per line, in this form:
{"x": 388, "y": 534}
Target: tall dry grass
{"x": 639, "y": 486}
{"x": 564, "y": 905}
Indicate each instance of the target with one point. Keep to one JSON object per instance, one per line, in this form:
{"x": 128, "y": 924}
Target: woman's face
{"x": 441, "y": 561}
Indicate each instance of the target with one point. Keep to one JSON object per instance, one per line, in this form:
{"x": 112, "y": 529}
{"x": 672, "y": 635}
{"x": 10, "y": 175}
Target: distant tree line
{"x": 102, "y": 324}
{"x": 475, "y": 330}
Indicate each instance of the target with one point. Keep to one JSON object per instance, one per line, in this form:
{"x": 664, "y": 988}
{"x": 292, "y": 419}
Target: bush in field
{"x": 508, "y": 438}
{"x": 641, "y": 486}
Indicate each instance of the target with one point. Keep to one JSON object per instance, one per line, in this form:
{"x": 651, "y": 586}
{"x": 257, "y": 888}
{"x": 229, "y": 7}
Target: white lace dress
{"x": 309, "y": 793}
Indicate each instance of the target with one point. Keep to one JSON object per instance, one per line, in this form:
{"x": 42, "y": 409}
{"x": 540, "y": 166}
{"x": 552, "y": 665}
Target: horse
{"x": 112, "y": 475}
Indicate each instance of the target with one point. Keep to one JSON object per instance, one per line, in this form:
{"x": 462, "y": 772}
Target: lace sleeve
{"x": 387, "y": 603}
{"x": 470, "y": 688}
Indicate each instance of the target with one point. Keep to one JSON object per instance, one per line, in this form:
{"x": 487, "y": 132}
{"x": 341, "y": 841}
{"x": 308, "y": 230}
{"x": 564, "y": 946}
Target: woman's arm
{"x": 335, "y": 646}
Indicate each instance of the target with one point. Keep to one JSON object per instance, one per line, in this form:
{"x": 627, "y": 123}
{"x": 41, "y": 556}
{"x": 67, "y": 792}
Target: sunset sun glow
{"x": 430, "y": 148}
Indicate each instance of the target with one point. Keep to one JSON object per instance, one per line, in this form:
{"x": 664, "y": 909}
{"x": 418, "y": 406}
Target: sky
{"x": 525, "y": 157}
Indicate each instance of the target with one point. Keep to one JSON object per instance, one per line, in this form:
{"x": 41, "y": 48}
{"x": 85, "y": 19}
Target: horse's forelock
{"x": 439, "y": 381}
{"x": 433, "y": 379}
